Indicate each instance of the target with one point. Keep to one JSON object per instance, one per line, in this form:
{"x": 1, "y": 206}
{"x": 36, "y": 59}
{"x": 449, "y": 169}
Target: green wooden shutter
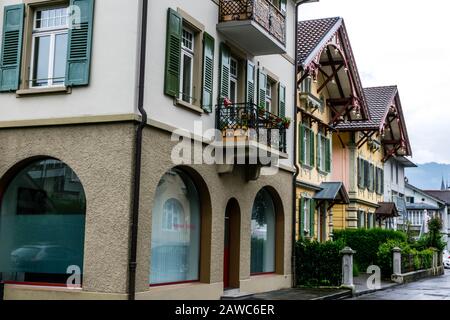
{"x": 301, "y": 144}
{"x": 173, "y": 54}
{"x": 250, "y": 83}
{"x": 319, "y": 151}
{"x": 80, "y": 45}
{"x": 262, "y": 85}
{"x": 208, "y": 72}
{"x": 225, "y": 61}
{"x": 366, "y": 174}
{"x": 281, "y": 100}
{"x": 382, "y": 181}
{"x": 312, "y": 211}
{"x": 312, "y": 148}
{"x": 358, "y": 163}
{"x": 328, "y": 155}
{"x": 11, "y": 54}
{"x": 302, "y": 217}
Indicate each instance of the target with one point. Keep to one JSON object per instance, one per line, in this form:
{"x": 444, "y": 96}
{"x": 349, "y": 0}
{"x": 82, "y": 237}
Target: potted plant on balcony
{"x": 227, "y": 102}
{"x": 261, "y": 111}
{"x": 286, "y": 121}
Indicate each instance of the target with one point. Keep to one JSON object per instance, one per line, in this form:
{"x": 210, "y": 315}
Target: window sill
{"x": 36, "y": 91}
{"x": 306, "y": 167}
{"x": 191, "y": 107}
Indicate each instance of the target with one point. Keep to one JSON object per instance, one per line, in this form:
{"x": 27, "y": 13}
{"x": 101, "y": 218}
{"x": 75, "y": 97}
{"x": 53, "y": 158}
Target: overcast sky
{"x": 405, "y": 43}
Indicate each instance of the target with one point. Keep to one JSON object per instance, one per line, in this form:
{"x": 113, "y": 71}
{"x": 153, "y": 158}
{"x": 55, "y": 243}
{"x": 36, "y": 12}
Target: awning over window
{"x": 333, "y": 193}
{"x": 387, "y": 210}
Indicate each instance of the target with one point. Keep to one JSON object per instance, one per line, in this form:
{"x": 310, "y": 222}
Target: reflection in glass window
{"x": 175, "y": 247}
{"x": 263, "y": 234}
{"x": 42, "y": 222}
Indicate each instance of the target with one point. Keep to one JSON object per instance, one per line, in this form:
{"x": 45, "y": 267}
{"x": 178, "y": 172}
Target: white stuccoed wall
{"x": 161, "y": 107}
{"x": 113, "y": 83}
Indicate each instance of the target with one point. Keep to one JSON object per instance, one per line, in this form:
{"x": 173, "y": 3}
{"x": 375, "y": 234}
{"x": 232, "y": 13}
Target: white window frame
{"x": 307, "y": 216}
{"x": 52, "y": 32}
{"x": 322, "y": 149}
{"x": 269, "y": 96}
{"x": 307, "y": 146}
{"x": 188, "y": 52}
{"x": 234, "y": 79}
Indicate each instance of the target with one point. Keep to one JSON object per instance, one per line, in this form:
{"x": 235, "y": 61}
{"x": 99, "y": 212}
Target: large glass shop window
{"x": 175, "y": 247}
{"x": 42, "y": 223}
{"x": 263, "y": 234}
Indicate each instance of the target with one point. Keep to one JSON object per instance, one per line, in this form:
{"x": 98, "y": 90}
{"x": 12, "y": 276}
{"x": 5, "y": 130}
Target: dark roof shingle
{"x": 378, "y": 100}
{"x": 311, "y": 33}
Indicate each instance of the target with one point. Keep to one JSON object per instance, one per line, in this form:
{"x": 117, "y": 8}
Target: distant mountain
{"x": 428, "y": 176}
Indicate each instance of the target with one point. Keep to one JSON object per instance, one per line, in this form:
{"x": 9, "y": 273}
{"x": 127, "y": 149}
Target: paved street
{"x": 427, "y": 289}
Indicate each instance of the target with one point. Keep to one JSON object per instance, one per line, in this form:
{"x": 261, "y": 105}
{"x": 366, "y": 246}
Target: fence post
{"x": 347, "y": 268}
{"x": 397, "y": 261}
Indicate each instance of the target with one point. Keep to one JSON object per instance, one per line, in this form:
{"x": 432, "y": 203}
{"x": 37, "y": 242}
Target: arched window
{"x": 42, "y": 222}
{"x": 175, "y": 247}
{"x": 263, "y": 234}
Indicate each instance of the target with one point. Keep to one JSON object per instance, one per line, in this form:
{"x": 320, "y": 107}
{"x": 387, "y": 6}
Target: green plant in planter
{"x": 286, "y": 121}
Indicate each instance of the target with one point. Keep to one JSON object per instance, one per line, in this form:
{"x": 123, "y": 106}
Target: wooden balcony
{"x": 257, "y": 26}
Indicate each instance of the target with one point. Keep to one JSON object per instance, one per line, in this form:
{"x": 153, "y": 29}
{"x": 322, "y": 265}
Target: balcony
{"x": 245, "y": 124}
{"x": 257, "y": 26}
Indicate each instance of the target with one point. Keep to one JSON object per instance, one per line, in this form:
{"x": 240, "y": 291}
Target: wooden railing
{"x": 262, "y": 12}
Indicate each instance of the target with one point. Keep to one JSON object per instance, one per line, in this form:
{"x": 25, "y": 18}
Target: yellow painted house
{"x": 330, "y": 92}
{"x": 345, "y": 134}
{"x": 360, "y": 151}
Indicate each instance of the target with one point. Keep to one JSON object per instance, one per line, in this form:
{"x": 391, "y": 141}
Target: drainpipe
{"x": 138, "y": 157}
{"x": 297, "y": 169}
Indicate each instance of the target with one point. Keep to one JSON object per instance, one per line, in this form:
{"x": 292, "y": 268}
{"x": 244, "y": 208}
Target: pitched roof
{"x": 311, "y": 33}
{"x": 387, "y": 209}
{"x": 379, "y": 100}
{"x": 314, "y": 36}
{"x": 440, "y": 194}
{"x": 334, "y": 192}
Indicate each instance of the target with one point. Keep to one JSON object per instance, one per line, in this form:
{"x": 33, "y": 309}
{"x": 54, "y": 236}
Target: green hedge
{"x": 366, "y": 243}
{"x": 318, "y": 264}
{"x": 412, "y": 259}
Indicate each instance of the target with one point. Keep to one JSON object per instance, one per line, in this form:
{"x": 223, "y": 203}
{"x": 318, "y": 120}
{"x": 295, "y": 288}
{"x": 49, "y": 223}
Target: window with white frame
{"x": 269, "y": 88}
{"x": 323, "y": 152}
{"x": 234, "y": 74}
{"x": 187, "y": 65}
{"x": 49, "y": 47}
{"x": 307, "y": 216}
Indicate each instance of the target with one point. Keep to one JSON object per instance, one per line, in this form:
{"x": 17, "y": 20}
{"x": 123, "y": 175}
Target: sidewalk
{"x": 361, "y": 288}
{"x": 303, "y": 294}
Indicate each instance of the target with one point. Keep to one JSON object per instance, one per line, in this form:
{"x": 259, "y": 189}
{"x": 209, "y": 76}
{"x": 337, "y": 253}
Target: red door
{"x": 226, "y": 254}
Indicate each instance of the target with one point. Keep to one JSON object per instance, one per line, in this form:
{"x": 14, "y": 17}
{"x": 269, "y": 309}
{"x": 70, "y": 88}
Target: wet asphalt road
{"x": 427, "y": 289}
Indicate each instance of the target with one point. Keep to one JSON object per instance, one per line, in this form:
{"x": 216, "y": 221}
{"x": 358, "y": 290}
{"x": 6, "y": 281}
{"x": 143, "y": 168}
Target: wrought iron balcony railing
{"x": 262, "y": 12}
{"x": 246, "y": 120}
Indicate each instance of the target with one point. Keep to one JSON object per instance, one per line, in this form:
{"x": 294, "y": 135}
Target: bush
{"x": 412, "y": 259}
{"x": 366, "y": 243}
{"x": 318, "y": 264}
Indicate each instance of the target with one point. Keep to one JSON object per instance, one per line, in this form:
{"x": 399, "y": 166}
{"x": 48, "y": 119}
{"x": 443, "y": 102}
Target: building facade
{"x": 443, "y": 195}
{"x": 74, "y": 93}
{"x": 329, "y": 87}
{"x": 394, "y": 188}
{"x": 421, "y": 206}
{"x": 370, "y": 145}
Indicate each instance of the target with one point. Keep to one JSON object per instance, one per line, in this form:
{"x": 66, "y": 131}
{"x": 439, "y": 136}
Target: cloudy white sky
{"x": 404, "y": 43}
